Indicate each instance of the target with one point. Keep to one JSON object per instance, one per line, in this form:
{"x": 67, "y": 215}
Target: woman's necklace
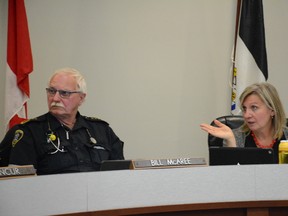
{"x": 260, "y": 145}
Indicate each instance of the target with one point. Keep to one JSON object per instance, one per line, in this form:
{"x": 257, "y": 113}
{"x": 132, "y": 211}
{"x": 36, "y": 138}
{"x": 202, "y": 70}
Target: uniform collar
{"x": 55, "y": 124}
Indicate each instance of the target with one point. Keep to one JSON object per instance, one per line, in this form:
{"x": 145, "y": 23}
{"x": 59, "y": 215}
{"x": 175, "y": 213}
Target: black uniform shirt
{"x": 78, "y": 150}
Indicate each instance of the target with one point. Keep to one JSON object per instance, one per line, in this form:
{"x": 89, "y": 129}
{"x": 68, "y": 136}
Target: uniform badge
{"x": 18, "y": 136}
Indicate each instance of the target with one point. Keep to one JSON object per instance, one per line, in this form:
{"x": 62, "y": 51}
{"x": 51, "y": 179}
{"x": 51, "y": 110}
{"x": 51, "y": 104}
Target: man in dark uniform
{"x": 62, "y": 140}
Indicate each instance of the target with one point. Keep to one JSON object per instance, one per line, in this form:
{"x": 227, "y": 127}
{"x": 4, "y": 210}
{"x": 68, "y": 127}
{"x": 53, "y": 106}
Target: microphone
{"x": 92, "y": 139}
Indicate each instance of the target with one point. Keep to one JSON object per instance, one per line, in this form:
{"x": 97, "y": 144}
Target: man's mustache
{"x": 55, "y": 104}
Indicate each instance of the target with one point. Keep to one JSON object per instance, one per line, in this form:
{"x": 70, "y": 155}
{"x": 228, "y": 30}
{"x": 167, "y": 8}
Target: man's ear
{"x": 82, "y": 96}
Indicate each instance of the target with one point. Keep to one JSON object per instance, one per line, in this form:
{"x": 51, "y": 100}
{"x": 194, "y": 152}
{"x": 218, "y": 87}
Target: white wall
{"x": 155, "y": 69}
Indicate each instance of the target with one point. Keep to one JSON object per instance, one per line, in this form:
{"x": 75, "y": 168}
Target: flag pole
{"x": 234, "y": 69}
{"x": 236, "y": 28}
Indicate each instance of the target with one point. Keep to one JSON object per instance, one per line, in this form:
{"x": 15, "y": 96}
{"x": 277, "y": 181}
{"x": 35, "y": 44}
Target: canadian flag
{"x": 19, "y": 64}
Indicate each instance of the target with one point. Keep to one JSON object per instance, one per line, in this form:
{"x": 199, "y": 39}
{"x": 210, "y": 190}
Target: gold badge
{"x": 18, "y": 136}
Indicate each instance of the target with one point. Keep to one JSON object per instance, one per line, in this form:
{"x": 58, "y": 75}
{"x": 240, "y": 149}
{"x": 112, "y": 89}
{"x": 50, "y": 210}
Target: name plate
{"x": 168, "y": 163}
{"x": 17, "y": 171}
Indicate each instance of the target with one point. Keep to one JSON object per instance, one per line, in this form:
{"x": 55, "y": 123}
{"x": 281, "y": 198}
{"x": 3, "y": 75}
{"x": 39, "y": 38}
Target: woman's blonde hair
{"x": 270, "y": 97}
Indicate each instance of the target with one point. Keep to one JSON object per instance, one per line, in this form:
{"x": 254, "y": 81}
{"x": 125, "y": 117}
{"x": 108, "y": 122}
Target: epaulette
{"x": 94, "y": 119}
{"x": 29, "y": 120}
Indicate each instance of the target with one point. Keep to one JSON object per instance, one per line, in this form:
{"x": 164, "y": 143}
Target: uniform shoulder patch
{"x": 17, "y": 136}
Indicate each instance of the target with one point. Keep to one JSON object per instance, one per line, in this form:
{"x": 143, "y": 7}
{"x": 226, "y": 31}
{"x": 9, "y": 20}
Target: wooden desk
{"x": 221, "y": 190}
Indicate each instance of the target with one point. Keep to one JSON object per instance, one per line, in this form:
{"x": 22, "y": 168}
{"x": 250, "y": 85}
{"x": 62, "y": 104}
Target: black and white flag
{"x": 249, "y": 53}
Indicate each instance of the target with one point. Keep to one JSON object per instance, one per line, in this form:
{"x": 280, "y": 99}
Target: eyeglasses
{"x": 62, "y": 93}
